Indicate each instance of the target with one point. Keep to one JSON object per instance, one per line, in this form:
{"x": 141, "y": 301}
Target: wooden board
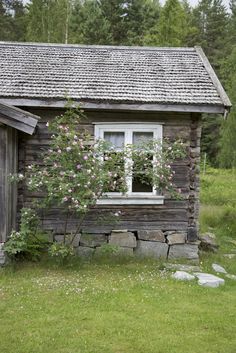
{"x": 8, "y": 191}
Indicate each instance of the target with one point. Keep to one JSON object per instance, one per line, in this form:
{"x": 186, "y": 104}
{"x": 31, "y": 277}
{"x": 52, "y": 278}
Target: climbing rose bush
{"x": 77, "y": 170}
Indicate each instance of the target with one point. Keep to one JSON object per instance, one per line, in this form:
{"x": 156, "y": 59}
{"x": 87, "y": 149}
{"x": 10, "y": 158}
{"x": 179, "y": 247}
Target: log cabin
{"x": 123, "y": 91}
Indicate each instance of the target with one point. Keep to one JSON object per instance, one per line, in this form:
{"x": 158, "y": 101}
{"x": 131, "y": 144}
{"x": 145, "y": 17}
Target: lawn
{"x": 124, "y": 306}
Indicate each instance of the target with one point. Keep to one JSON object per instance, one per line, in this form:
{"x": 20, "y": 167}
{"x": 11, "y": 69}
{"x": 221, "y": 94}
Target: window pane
{"x": 139, "y": 137}
{"x": 115, "y": 138}
{"x": 138, "y": 186}
{"x": 140, "y": 182}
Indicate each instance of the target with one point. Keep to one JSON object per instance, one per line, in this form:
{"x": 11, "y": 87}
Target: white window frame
{"x": 130, "y": 198}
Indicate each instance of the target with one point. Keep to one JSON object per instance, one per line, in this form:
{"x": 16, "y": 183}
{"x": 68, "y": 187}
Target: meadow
{"x": 218, "y": 205}
{"x": 126, "y": 306}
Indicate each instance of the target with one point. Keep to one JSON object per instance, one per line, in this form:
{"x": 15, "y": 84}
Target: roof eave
{"x": 103, "y": 105}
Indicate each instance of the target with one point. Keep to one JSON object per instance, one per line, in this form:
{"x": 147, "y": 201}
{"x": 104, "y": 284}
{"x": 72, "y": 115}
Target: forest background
{"x": 145, "y": 23}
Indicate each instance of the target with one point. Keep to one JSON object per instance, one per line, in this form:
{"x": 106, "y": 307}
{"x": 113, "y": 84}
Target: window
{"x": 123, "y": 134}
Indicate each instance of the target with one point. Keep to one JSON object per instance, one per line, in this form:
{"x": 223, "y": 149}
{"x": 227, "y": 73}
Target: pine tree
{"x": 232, "y": 23}
{"x": 211, "y": 20}
{"x": 192, "y": 31}
{"x": 89, "y": 26}
{"x": 115, "y": 11}
{"x": 142, "y": 17}
{"x": 19, "y": 21}
{"x": 135, "y": 21}
{"x": 227, "y": 155}
{"x": 12, "y": 20}
{"x": 5, "y": 23}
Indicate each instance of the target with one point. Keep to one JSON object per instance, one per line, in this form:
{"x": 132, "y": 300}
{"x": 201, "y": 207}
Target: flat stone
{"x": 85, "y": 251}
{"x": 208, "y": 242}
{"x": 152, "y": 235}
{"x": 2, "y": 258}
{"x": 151, "y": 249}
{"x": 125, "y": 251}
{"x": 119, "y": 231}
{"x": 60, "y": 239}
{"x": 208, "y": 280}
{"x": 126, "y": 240}
{"x": 183, "y": 276}
{"x": 185, "y": 251}
{"x": 231, "y": 276}
{"x": 176, "y": 238}
{"x": 120, "y": 251}
{"x": 183, "y": 267}
{"x": 76, "y": 240}
{"x": 218, "y": 268}
{"x": 50, "y": 237}
{"x": 93, "y": 240}
{"x": 192, "y": 234}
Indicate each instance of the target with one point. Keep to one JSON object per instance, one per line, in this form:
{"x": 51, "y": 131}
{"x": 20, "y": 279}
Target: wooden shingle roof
{"x": 110, "y": 75}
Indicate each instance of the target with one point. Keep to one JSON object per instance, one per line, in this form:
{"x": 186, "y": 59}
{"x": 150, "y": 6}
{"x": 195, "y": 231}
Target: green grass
{"x": 218, "y": 187}
{"x": 218, "y": 206}
{"x": 130, "y": 307}
{"x": 127, "y": 306}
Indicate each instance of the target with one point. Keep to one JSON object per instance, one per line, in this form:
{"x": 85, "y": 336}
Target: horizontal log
{"x": 127, "y": 214}
{"x": 88, "y": 226}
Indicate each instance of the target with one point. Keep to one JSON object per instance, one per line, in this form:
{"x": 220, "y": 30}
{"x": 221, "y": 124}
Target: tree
{"x": 142, "y": 16}
{"x": 5, "y": 23}
{"x": 88, "y": 24}
{"x": 232, "y": 23}
{"x": 13, "y": 20}
{"x": 227, "y": 155}
{"x": 172, "y": 27}
{"x": 115, "y": 11}
{"x": 211, "y": 21}
{"x": 211, "y": 127}
{"x": 48, "y": 21}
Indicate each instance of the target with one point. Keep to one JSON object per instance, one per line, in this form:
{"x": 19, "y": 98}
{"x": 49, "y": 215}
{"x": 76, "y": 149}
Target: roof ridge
{"x": 108, "y": 47}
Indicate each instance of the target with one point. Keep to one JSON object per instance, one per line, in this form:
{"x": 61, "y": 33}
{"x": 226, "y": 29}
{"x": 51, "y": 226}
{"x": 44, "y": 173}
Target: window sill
{"x": 119, "y": 200}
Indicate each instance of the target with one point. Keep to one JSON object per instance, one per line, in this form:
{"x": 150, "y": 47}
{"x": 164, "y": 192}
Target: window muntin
{"x": 123, "y": 134}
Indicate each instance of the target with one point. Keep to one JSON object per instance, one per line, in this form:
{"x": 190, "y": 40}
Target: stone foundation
{"x": 2, "y": 255}
{"x": 144, "y": 243}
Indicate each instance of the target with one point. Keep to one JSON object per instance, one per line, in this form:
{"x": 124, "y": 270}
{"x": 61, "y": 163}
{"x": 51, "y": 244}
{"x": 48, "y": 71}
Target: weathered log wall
{"x": 171, "y": 216}
{"x": 8, "y": 192}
